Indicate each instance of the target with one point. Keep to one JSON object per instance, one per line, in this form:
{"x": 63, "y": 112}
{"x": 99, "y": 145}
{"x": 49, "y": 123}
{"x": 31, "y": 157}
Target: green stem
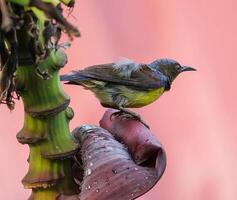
{"x": 46, "y": 128}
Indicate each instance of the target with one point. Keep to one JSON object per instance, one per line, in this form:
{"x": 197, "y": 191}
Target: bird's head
{"x": 169, "y": 68}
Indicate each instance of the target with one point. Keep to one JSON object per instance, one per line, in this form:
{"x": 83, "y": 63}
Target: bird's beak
{"x": 187, "y": 68}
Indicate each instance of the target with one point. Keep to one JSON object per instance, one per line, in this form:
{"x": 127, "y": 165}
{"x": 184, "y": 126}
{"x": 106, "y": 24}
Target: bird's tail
{"x": 73, "y": 78}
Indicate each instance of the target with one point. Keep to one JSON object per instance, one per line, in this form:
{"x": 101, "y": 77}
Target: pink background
{"x": 194, "y": 121}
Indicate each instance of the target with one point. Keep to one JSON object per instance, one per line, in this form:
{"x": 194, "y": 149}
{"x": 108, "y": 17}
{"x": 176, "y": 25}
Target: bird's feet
{"x": 127, "y": 114}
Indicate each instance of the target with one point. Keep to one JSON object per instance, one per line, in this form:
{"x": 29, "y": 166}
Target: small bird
{"x": 127, "y": 84}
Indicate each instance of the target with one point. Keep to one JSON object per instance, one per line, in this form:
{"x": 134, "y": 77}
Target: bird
{"x": 126, "y": 83}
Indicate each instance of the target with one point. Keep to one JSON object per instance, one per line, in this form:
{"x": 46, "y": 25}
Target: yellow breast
{"x": 142, "y": 98}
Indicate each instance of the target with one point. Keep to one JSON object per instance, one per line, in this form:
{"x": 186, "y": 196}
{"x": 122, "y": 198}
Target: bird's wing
{"x": 140, "y": 76}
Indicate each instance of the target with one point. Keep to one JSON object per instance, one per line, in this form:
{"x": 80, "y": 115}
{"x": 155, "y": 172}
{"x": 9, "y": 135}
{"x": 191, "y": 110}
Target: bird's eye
{"x": 177, "y": 67}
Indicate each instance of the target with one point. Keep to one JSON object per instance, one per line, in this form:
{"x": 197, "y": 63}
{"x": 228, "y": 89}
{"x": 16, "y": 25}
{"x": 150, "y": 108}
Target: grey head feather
{"x": 124, "y": 67}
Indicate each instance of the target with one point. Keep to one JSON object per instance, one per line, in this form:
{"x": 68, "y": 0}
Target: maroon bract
{"x": 141, "y": 142}
{"x": 121, "y": 164}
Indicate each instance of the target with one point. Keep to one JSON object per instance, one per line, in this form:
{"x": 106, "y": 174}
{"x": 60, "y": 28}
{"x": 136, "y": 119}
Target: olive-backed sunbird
{"x": 127, "y": 84}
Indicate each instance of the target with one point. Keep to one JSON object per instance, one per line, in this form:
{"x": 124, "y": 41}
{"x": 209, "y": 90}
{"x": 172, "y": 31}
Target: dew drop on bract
{"x": 88, "y": 172}
{"x": 88, "y": 187}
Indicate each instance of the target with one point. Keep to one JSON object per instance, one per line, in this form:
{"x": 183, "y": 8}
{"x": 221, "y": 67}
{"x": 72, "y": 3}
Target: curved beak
{"x": 187, "y": 68}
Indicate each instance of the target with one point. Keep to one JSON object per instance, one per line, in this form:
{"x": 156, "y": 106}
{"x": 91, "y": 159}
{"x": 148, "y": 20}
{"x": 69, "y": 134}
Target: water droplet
{"x": 91, "y": 164}
{"x": 114, "y": 171}
{"x": 135, "y": 169}
{"x": 89, "y": 157}
{"x": 88, "y": 187}
{"x": 88, "y": 172}
{"x": 132, "y": 195}
{"x": 97, "y": 190}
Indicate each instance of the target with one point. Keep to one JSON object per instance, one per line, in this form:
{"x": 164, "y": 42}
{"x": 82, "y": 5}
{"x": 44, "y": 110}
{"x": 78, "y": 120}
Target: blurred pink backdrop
{"x": 195, "y": 121}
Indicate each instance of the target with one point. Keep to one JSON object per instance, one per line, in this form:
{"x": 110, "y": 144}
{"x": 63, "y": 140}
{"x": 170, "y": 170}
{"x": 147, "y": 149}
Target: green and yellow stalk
{"x": 46, "y": 129}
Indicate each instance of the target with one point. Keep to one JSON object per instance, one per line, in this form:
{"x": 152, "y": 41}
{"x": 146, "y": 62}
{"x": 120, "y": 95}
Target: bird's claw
{"x": 115, "y": 114}
{"x": 135, "y": 117}
{"x": 125, "y": 115}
